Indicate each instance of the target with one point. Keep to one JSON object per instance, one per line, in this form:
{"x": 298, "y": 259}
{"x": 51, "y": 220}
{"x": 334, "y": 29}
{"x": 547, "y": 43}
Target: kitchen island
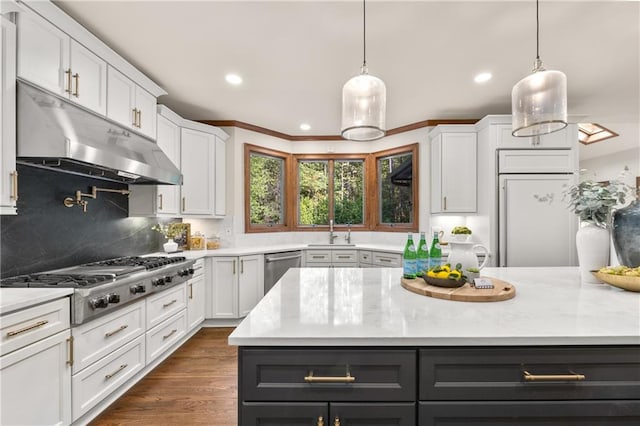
{"x": 332, "y": 346}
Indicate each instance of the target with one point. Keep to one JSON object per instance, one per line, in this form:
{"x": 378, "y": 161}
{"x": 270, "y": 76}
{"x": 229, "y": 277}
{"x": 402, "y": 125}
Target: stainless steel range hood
{"x": 54, "y": 133}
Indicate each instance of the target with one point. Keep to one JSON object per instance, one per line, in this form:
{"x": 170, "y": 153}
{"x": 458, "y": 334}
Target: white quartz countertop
{"x": 12, "y": 299}
{"x": 369, "y": 307}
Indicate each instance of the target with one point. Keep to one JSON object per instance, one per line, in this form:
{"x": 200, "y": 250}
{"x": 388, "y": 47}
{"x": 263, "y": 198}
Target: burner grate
{"x": 147, "y": 262}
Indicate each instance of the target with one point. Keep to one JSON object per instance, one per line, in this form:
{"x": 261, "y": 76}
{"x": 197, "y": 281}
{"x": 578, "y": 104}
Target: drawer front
{"x": 319, "y": 374}
{"x": 344, "y": 256}
{"x": 610, "y": 372}
{"x": 284, "y": 413}
{"x": 24, "y": 327}
{"x": 536, "y": 161}
{"x": 544, "y": 413}
{"x": 99, "y": 337}
{"x": 165, "y": 304}
{"x": 561, "y": 139}
{"x": 97, "y": 381}
{"x": 166, "y": 334}
{"x": 315, "y": 256}
{"x": 198, "y": 268}
{"x": 364, "y": 256}
{"x": 389, "y": 260}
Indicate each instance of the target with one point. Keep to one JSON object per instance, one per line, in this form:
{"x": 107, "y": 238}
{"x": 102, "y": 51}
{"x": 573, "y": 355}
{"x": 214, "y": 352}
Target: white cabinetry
{"x": 51, "y": 59}
{"x": 8, "y": 172}
{"x": 386, "y": 260}
{"x": 236, "y": 285}
{"x": 196, "y": 296}
{"x": 453, "y": 169}
{"x": 35, "y": 366}
{"x": 560, "y": 139}
{"x": 160, "y": 200}
{"x": 339, "y": 258}
{"x": 129, "y": 104}
{"x": 197, "y": 163}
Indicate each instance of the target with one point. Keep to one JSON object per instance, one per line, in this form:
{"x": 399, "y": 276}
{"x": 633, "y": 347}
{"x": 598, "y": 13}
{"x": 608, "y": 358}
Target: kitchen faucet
{"x": 331, "y": 236}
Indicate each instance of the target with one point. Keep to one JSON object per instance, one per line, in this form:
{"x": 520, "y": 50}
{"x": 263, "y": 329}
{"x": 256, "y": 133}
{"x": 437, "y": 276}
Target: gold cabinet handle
{"x": 122, "y": 367}
{"x": 68, "y": 73}
{"x": 320, "y": 421}
{"x": 139, "y": 119}
{"x": 118, "y": 330}
{"x": 573, "y": 377}
{"x": 336, "y": 421}
{"x": 27, "y": 328}
{"x": 70, "y": 342}
{"x": 329, "y": 379}
{"x": 166, "y": 305}
{"x": 242, "y": 266}
{"x": 190, "y": 291}
{"x": 76, "y": 76}
{"x": 135, "y": 116}
{"x": 160, "y": 197}
{"x": 344, "y": 257}
{"x": 14, "y": 186}
{"x": 234, "y": 267}
{"x": 171, "y": 333}
{"x": 184, "y": 203}
{"x": 445, "y": 203}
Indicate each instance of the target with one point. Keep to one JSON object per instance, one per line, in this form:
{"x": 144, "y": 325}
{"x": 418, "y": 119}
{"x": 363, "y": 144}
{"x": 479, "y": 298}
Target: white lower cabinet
{"x": 164, "y": 335}
{"x": 36, "y": 383}
{"x": 321, "y": 258}
{"x": 96, "y": 382}
{"x": 386, "y": 260}
{"x": 196, "y": 296}
{"x": 237, "y": 285}
{"x": 162, "y": 305}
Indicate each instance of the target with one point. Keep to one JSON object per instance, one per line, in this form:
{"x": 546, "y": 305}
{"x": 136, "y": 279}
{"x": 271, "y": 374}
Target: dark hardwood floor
{"x": 197, "y": 384}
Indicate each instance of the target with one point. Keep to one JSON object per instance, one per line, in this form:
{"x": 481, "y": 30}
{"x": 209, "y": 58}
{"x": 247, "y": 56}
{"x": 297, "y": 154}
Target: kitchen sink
{"x": 325, "y": 245}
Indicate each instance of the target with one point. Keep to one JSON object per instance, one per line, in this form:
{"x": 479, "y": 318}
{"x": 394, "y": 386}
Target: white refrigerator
{"x": 535, "y": 226}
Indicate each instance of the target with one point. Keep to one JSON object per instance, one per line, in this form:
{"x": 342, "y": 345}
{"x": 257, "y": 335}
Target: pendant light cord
{"x": 537, "y": 32}
{"x": 364, "y": 34}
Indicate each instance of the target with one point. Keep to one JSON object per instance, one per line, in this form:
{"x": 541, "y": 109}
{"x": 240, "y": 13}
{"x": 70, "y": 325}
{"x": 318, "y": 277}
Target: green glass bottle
{"x": 423, "y": 254}
{"x": 435, "y": 253}
{"x": 409, "y": 259}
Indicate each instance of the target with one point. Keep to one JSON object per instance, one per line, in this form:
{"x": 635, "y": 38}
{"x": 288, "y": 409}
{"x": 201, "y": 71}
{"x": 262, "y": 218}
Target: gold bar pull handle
{"x": 76, "y": 77}
{"x": 445, "y": 203}
{"x": 14, "y": 185}
{"x": 320, "y": 421}
{"x": 135, "y": 116}
{"x": 336, "y": 421}
{"x": 160, "y": 199}
{"x": 348, "y": 378}
{"x": 70, "y": 342}
{"x": 184, "y": 203}
{"x": 139, "y": 119}
{"x": 190, "y": 290}
{"x": 122, "y": 367}
{"x": 234, "y": 267}
{"x": 27, "y": 328}
{"x": 171, "y": 333}
{"x": 117, "y": 330}
{"x": 242, "y": 266}
{"x": 68, "y": 88}
{"x": 573, "y": 377}
{"x": 166, "y": 305}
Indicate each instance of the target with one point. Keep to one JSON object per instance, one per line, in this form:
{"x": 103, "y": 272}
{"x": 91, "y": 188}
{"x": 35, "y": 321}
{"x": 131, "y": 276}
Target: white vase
{"x": 170, "y": 246}
{"x": 593, "y": 244}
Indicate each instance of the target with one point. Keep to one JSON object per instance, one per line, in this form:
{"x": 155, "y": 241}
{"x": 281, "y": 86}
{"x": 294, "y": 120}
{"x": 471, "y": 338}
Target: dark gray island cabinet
{"x": 429, "y": 386}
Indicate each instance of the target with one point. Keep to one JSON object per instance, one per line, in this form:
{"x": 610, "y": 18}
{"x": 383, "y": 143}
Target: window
{"x": 397, "y": 189}
{"x": 265, "y": 189}
{"x": 375, "y": 191}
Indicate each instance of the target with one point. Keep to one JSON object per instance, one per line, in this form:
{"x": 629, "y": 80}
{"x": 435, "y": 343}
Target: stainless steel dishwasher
{"x": 276, "y": 264}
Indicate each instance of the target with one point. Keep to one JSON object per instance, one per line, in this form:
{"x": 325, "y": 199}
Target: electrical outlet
{"x": 227, "y": 231}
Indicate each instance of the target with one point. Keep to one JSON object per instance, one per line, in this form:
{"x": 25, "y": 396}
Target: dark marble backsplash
{"x": 47, "y": 235}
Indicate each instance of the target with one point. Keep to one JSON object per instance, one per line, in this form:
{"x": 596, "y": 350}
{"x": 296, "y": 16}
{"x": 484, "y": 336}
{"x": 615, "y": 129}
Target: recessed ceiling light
{"x": 483, "y": 77}
{"x": 234, "y": 79}
{"x": 305, "y": 126}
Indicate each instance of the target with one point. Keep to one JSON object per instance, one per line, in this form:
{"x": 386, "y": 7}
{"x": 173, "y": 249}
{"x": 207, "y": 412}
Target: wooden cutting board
{"x": 501, "y": 290}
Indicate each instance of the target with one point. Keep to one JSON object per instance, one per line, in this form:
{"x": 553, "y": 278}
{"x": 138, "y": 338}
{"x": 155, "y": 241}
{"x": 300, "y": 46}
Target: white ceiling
{"x": 295, "y": 56}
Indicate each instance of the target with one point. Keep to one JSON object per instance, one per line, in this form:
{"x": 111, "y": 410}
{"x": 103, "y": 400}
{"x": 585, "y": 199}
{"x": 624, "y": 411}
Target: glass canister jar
{"x": 197, "y": 241}
{"x": 213, "y": 243}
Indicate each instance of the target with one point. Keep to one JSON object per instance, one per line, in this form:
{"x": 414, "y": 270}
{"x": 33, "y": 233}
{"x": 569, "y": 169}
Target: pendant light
{"x": 364, "y": 101}
{"x": 539, "y": 101}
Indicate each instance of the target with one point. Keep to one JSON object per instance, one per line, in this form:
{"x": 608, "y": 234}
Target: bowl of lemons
{"x": 623, "y": 277}
{"x": 445, "y": 276}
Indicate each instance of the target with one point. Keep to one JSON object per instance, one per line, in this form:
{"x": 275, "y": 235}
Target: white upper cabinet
{"x": 129, "y": 104}
{"x": 453, "y": 169}
{"x": 8, "y": 172}
{"x": 197, "y": 158}
{"x": 54, "y": 61}
{"x": 220, "y": 172}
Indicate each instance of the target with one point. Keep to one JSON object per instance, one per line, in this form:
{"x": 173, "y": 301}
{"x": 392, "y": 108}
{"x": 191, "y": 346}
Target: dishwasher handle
{"x": 274, "y": 259}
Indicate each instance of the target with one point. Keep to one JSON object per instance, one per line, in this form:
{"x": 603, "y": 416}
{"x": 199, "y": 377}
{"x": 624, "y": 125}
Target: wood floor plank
{"x": 197, "y": 384}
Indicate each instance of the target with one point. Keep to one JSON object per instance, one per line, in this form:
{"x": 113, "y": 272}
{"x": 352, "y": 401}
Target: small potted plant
{"x": 461, "y": 233}
{"x": 169, "y": 232}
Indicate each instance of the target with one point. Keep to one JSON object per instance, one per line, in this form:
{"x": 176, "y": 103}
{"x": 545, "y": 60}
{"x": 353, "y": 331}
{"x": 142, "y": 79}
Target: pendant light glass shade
{"x": 364, "y": 105}
{"x": 539, "y": 101}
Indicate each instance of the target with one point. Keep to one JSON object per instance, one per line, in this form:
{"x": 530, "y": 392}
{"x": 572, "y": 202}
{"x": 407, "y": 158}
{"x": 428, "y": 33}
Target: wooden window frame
{"x": 375, "y": 219}
{"x": 286, "y": 157}
{"x": 296, "y": 158}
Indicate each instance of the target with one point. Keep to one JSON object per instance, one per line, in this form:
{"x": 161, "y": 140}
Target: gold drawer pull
{"x": 14, "y": 185}
{"x": 166, "y": 305}
{"x": 336, "y": 421}
{"x": 76, "y": 76}
{"x": 70, "y": 342}
{"x": 329, "y": 379}
{"x": 170, "y": 334}
{"x": 111, "y": 333}
{"x": 382, "y": 259}
{"x": 68, "y": 73}
{"x": 30, "y": 327}
{"x": 320, "y": 421}
{"x": 344, "y": 257}
{"x": 319, "y": 257}
{"x": 122, "y": 367}
{"x": 160, "y": 197}
{"x": 574, "y": 377}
